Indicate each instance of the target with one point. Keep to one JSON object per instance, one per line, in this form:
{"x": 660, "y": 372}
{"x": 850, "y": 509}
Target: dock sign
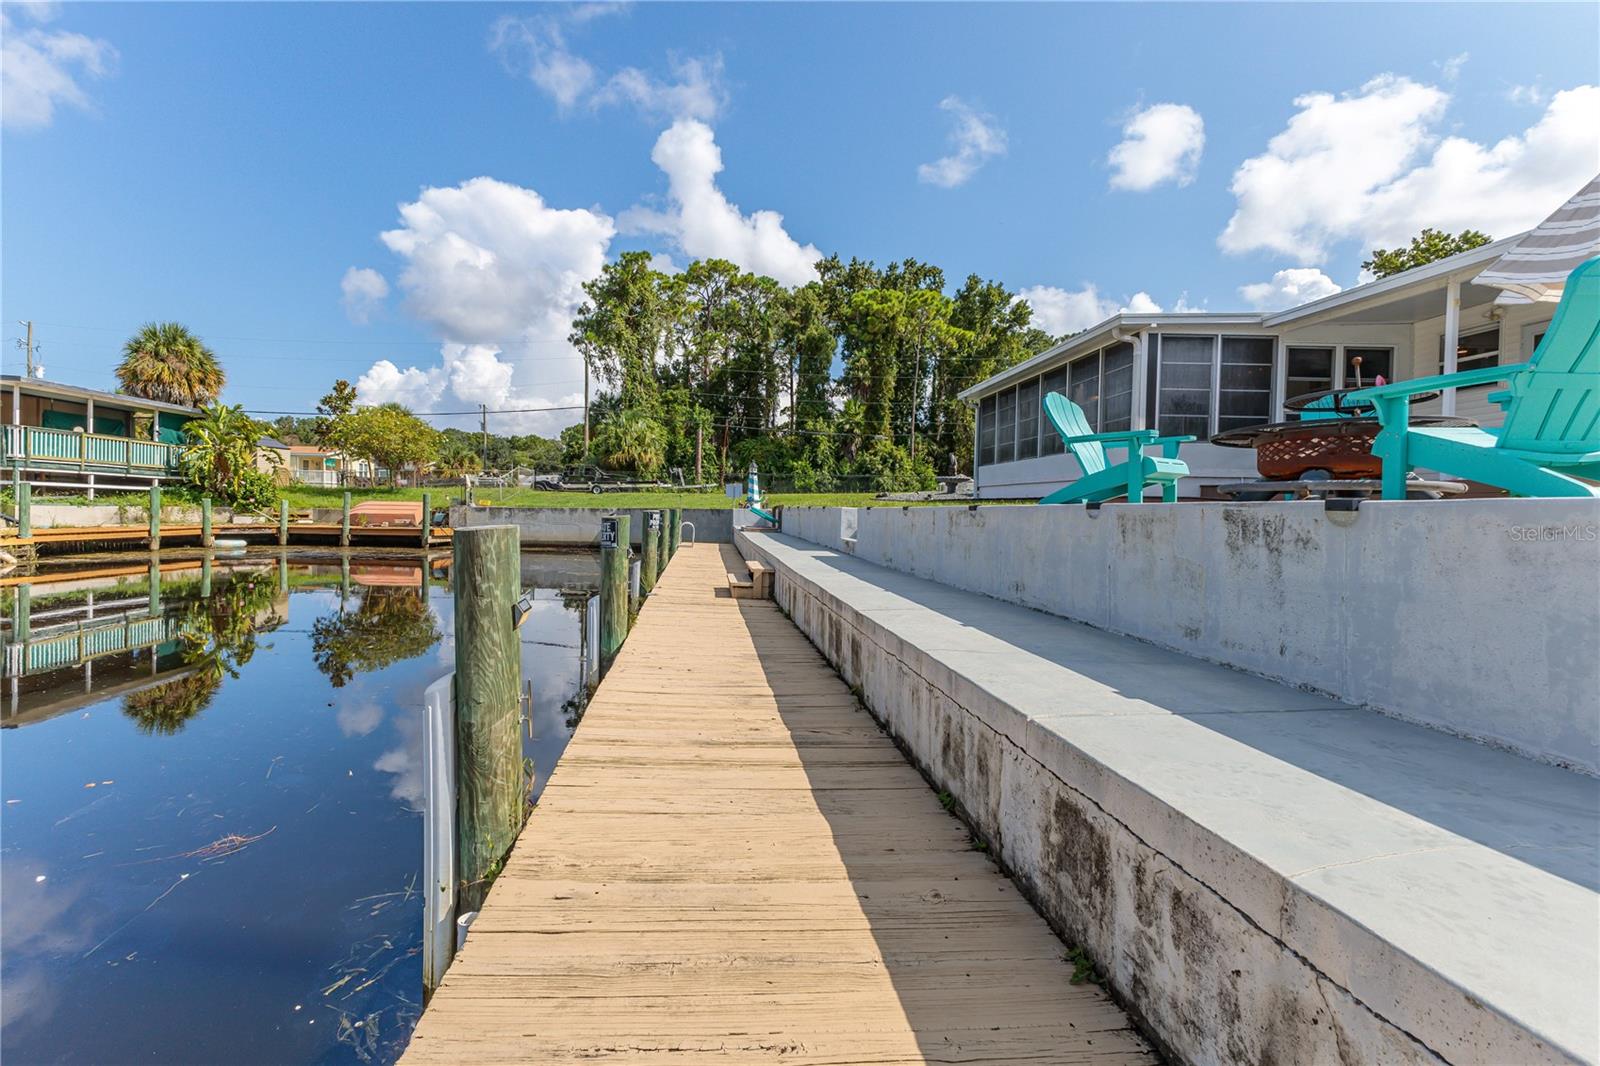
{"x": 608, "y": 531}
{"x": 654, "y": 519}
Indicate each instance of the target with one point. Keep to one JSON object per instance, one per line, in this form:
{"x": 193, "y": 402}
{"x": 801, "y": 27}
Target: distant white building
{"x": 1205, "y": 373}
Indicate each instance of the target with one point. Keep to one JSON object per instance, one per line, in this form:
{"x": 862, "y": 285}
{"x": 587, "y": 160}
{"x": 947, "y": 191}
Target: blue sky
{"x": 235, "y": 166}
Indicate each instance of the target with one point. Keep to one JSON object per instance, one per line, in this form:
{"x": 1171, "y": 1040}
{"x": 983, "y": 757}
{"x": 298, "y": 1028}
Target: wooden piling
{"x": 205, "y": 522}
{"x": 283, "y": 523}
{"x": 155, "y": 518}
{"x": 490, "y": 793}
{"x": 674, "y": 530}
{"x": 661, "y": 545}
{"x": 155, "y": 588}
{"x": 427, "y": 519}
{"x": 205, "y": 577}
{"x": 24, "y": 509}
{"x": 21, "y": 610}
{"x": 649, "y": 552}
{"x": 344, "y": 523}
{"x": 613, "y": 586}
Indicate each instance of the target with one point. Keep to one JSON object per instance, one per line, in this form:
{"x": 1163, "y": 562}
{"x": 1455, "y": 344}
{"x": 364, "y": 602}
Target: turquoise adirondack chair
{"x": 1103, "y": 480}
{"x": 1551, "y": 435}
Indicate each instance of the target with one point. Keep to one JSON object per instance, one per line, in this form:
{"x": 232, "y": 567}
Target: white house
{"x": 1205, "y": 373}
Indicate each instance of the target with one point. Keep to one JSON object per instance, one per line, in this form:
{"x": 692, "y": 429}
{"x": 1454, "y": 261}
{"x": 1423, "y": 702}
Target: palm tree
{"x": 164, "y": 361}
{"x": 632, "y": 439}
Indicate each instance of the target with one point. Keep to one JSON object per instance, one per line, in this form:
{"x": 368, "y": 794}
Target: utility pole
{"x": 27, "y": 346}
{"x": 483, "y": 418}
{"x": 586, "y": 408}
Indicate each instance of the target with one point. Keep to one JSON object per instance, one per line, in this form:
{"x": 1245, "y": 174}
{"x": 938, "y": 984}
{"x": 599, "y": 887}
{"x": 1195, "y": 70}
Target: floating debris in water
{"x": 222, "y": 847}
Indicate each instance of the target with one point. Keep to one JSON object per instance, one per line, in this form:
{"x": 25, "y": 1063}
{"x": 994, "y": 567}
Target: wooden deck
{"x": 256, "y": 532}
{"x": 731, "y": 861}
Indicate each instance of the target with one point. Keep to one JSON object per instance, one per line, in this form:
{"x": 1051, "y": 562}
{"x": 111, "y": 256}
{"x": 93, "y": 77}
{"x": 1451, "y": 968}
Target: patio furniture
{"x": 1327, "y": 451}
{"x": 1551, "y": 435}
{"x": 1103, "y": 480}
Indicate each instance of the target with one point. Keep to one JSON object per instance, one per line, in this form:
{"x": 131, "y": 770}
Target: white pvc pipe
{"x": 438, "y": 831}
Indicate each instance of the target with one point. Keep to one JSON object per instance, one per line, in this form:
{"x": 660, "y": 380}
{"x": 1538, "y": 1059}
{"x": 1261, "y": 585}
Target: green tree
{"x": 390, "y": 625}
{"x": 632, "y": 440}
{"x": 216, "y": 637}
{"x": 456, "y": 459}
{"x": 1429, "y": 246}
{"x": 390, "y": 436}
{"x": 623, "y": 326}
{"x": 333, "y": 412}
{"x": 219, "y": 456}
{"x": 164, "y": 361}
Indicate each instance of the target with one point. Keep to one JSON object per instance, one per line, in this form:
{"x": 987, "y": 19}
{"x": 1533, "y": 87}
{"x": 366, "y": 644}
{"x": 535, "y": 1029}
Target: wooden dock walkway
{"x": 731, "y": 861}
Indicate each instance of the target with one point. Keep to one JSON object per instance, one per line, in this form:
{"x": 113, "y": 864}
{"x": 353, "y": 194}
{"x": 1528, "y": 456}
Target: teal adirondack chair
{"x": 1103, "y": 480}
{"x": 1551, "y": 435}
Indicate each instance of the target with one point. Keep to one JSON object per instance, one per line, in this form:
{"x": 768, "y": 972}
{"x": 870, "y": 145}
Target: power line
{"x": 435, "y": 414}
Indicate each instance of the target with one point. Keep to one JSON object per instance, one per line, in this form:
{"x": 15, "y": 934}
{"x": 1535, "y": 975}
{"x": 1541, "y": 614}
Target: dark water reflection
{"x": 210, "y": 843}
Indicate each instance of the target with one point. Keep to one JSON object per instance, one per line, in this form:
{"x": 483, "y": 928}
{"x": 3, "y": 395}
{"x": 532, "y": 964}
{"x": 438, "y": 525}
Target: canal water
{"x": 211, "y": 832}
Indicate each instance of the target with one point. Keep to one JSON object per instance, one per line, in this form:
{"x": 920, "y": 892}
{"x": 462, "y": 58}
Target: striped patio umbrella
{"x": 1535, "y": 269}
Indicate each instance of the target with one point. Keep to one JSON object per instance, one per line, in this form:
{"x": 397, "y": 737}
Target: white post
{"x": 977, "y": 424}
{"x": 88, "y": 415}
{"x": 1452, "y": 340}
{"x": 438, "y": 831}
{"x": 1140, "y": 384}
{"x": 16, "y": 405}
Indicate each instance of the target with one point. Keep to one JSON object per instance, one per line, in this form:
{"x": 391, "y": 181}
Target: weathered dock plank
{"x": 731, "y": 860}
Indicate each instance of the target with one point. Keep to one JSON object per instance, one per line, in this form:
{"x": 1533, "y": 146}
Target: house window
{"x": 1308, "y": 370}
{"x": 1184, "y": 401}
{"x": 1244, "y": 383}
{"x": 1474, "y": 350}
{"x": 1532, "y": 334}
{"x": 1005, "y": 430}
{"x": 1116, "y": 389}
{"x": 1374, "y": 361}
{"x": 986, "y": 432}
{"x": 1083, "y": 388}
{"x": 1028, "y": 419}
{"x": 1055, "y": 381}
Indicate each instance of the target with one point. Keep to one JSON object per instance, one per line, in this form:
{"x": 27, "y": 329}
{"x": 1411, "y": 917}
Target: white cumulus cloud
{"x": 42, "y": 70}
{"x": 498, "y": 274}
{"x": 1289, "y": 288}
{"x": 1372, "y": 166}
{"x": 537, "y": 47}
{"x": 364, "y": 290}
{"x": 702, "y": 222}
{"x": 974, "y": 140}
{"x": 1061, "y": 311}
{"x": 1160, "y": 143}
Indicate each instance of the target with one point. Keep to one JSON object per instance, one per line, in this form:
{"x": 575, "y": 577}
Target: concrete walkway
{"x": 1364, "y": 889}
{"x": 732, "y": 861}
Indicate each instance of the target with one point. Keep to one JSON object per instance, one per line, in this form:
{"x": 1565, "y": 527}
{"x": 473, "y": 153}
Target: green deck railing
{"x": 35, "y": 446}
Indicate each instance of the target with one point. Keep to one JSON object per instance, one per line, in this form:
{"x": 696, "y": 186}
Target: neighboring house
{"x": 64, "y": 436}
{"x": 1205, "y": 373}
{"x": 271, "y": 455}
{"x": 311, "y": 465}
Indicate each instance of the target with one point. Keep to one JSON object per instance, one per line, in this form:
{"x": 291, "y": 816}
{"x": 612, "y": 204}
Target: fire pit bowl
{"x": 1336, "y": 442}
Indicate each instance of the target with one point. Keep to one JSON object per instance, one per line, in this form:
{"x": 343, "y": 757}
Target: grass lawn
{"x": 301, "y": 497}
{"x": 313, "y": 497}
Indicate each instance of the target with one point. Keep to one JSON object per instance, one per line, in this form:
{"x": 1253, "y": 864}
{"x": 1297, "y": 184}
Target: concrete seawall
{"x": 1477, "y": 617}
{"x": 579, "y": 527}
{"x": 1263, "y": 875}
